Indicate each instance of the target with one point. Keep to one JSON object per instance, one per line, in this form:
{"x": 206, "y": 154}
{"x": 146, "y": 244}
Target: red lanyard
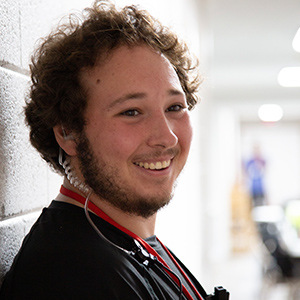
{"x": 150, "y": 250}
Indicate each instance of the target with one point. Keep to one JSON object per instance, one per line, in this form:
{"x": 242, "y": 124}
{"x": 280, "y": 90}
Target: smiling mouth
{"x": 154, "y": 166}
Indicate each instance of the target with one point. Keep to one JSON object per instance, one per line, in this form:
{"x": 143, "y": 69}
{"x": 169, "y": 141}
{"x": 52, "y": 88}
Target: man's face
{"x": 137, "y": 137}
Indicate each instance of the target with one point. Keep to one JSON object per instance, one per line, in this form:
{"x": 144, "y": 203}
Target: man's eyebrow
{"x": 175, "y": 92}
{"x": 125, "y": 98}
{"x": 137, "y": 96}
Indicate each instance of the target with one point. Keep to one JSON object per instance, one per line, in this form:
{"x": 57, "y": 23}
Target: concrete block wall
{"x": 26, "y": 182}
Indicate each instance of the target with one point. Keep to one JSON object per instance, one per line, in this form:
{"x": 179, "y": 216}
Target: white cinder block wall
{"x": 26, "y": 182}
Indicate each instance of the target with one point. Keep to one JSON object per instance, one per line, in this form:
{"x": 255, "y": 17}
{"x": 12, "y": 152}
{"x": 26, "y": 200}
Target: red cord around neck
{"x": 75, "y": 196}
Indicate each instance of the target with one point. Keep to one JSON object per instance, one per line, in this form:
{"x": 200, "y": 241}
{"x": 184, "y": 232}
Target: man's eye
{"x": 130, "y": 113}
{"x": 176, "y": 107}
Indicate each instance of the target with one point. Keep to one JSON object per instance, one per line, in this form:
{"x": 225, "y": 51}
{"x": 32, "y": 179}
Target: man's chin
{"x": 142, "y": 207}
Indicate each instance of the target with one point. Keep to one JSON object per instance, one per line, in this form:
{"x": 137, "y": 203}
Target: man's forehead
{"x": 123, "y": 54}
{"x": 125, "y": 62}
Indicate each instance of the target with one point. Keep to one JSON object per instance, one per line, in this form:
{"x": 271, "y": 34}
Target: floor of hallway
{"x": 242, "y": 276}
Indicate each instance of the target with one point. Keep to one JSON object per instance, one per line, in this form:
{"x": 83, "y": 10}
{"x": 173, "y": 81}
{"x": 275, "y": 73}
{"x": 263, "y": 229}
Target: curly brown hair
{"x": 56, "y": 95}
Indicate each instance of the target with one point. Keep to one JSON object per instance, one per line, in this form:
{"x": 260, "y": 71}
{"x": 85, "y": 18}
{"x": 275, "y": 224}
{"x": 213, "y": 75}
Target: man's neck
{"x": 143, "y": 227}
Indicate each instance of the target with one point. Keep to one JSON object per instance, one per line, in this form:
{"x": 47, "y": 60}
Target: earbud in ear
{"x": 67, "y": 136}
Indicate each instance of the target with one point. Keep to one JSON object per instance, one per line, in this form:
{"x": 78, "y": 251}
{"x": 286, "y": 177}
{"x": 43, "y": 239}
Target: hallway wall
{"x": 26, "y": 183}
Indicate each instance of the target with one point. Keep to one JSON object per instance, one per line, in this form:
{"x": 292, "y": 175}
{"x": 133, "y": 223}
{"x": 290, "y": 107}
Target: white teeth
{"x": 158, "y": 165}
{"x": 155, "y": 166}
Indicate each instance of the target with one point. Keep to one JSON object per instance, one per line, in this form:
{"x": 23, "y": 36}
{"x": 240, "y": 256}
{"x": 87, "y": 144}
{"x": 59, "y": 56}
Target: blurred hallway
{"x": 241, "y": 275}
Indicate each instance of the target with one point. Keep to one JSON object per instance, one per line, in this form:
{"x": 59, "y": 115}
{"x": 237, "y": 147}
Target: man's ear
{"x": 65, "y": 140}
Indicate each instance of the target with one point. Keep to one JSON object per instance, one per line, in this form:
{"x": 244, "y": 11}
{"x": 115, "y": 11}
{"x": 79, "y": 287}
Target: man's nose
{"x": 161, "y": 133}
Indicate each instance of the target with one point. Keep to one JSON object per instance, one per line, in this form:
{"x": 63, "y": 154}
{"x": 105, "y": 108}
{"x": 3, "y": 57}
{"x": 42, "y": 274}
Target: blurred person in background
{"x": 255, "y": 171}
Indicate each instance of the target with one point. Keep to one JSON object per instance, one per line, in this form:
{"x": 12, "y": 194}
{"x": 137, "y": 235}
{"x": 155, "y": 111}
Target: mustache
{"x": 172, "y": 152}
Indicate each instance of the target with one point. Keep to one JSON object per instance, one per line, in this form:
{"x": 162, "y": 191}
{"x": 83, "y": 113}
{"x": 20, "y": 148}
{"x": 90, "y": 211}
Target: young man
{"x": 109, "y": 110}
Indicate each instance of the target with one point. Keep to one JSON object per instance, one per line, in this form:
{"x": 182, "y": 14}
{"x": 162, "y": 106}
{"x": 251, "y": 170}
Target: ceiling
{"x": 252, "y": 41}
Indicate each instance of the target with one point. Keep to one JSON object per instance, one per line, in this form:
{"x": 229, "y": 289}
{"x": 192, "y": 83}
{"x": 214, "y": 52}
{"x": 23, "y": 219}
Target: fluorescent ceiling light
{"x": 289, "y": 77}
{"x": 296, "y": 41}
{"x": 270, "y": 113}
